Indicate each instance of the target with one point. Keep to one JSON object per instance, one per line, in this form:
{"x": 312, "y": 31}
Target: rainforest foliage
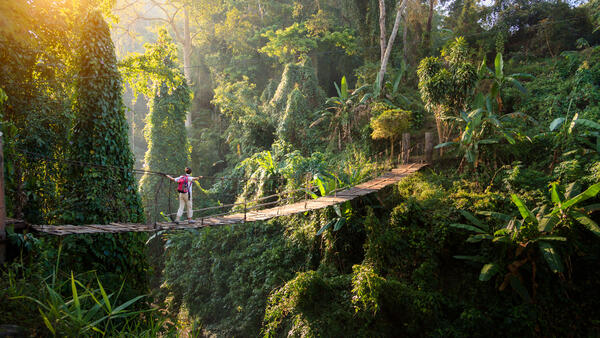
{"x": 498, "y": 236}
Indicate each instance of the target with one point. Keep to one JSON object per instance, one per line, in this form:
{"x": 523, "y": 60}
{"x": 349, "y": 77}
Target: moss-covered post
{"x": 428, "y": 147}
{"x": 405, "y": 147}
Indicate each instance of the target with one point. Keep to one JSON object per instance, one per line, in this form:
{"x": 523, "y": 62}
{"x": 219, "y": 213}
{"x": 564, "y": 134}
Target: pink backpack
{"x": 182, "y": 187}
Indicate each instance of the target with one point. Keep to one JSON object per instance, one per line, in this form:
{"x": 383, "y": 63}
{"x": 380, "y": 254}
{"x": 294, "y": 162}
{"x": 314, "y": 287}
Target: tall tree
{"x": 100, "y": 184}
{"x": 387, "y": 51}
{"x": 100, "y": 135}
{"x": 177, "y": 15}
{"x": 36, "y": 70}
{"x": 157, "y": 75}
{"x": 446, "y": 84}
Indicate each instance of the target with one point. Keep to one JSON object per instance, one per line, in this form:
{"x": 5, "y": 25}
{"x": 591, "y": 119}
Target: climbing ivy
{"x": 157, "y": 75}
{"x": 446, "y": 83}
{"x": 99, "y": 136}
{"x": 296, "y": 75}
{"x": 103, "y": 188}
{"x": 293, "y": 125}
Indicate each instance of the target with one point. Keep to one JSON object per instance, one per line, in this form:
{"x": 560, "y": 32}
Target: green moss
{"x": 301, "y": 76}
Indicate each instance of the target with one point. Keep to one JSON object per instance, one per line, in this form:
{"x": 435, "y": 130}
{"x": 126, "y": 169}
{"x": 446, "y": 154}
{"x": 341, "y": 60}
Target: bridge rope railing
{"x": 381, "y": 160}
{"x": 249, "y": 206}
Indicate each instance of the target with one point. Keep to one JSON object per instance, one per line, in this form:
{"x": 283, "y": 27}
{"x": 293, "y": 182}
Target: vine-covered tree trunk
{"x": 102, "y": 188}
{"x": 168, "y": 146}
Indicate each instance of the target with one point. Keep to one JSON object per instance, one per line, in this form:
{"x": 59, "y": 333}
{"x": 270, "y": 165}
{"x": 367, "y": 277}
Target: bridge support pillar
{"x": 405, "y": 147}
{"x": 245, "y": 209}
{"x": 428, "y": 147}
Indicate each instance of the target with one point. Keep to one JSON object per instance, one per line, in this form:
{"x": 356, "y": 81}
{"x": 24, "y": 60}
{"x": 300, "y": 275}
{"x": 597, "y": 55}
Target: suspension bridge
{"x": 285, "y": 203}
{"x": 249, "y": 214}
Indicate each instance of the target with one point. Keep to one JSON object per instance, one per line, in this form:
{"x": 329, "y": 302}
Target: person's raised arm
{"x": 170, "y": 177}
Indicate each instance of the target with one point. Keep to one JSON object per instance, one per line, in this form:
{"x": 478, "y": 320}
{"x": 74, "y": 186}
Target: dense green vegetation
{"x": 498, "y": 236}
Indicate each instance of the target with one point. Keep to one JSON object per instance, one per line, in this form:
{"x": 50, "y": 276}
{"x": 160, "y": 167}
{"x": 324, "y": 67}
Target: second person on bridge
{"x": 184, "y": 188}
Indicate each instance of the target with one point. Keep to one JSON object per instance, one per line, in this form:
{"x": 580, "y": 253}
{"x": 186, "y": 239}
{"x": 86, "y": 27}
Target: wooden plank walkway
{"x": 391, "y": 177}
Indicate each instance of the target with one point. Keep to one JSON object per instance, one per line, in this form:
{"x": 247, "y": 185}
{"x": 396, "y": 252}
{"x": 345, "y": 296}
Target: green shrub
{"x": 310, "y": 305}
{"x": 223, "y": 275}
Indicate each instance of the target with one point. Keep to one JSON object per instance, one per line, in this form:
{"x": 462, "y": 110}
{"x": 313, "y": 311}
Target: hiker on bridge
{"x": 184, "y": 187}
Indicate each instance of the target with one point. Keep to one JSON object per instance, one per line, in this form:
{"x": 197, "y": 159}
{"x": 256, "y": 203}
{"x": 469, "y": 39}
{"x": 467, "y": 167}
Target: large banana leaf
{"x": 488, "y": 271}
{"x": 587, "y": 222}
{"x": 588, "y": 123}
{"x": 499, "y": 65}
{"x": 552, "y": 238}
{"x": 525, "y": 212}
{"x": 397, "y": 80}
{"x": 522, "y": 76}
{"x": 344, "y": 89}
{"x": 326, "y": 226}
{"x": 337, "y": 89}
{"x": 340, "y": 222}
{"x": 470, "y": 155}
{"x": 547, "y": 223}
{"x": 468, "y": 227}
{"x": 517, "y": 84}
{"x": 487, "y": 141}
{"x": 587, "y": 194}
{"x": 483, "y": 70}
{"x": 556, "y": 123}
{"x": 496, "y": 215}
{"x": 551, "y": 256}
{"x": 445, "y": 144}
{"x": 478, "y": 238}
{"x": 479, "y": 223}
{"x": 495, "y": 90}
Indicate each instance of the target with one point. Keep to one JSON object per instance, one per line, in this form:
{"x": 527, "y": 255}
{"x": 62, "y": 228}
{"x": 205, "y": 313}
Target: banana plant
{"x": 566, "y": 129}
{"x": 533, "y": 228}
{"x": 478, "y": 125}
{"x": 326, "y": 184}
{"x": 388, "y": 91}
{"x": 343, "y": 212}
{"x": 339, "y": 112}
{"x": 499, "y": 79}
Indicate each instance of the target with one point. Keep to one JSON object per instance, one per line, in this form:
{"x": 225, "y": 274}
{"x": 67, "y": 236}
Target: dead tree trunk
{"x": 405, "y": 42}
{"x": 382, "y": 30}
{"x": 427, "y": 39}
{"x": 390, "y": 43}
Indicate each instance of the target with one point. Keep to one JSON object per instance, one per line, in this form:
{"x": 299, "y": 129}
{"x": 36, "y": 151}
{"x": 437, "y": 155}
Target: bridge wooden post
{"x": 405, "y": 147}
{"x": 428, "y": 146}
{"x": 305, "y": 190}
{"x": 245, "y": 209}
{"x": 335, "y": 188}
{"x": 2, "y": 206}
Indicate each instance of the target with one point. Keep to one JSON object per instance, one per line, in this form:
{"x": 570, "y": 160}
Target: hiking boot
{"x": 191, "y": 221}
{"x": 176, "y": 222}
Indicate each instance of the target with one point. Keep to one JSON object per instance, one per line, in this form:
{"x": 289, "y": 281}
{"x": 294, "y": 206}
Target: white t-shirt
{"x": 190, "y": 179}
